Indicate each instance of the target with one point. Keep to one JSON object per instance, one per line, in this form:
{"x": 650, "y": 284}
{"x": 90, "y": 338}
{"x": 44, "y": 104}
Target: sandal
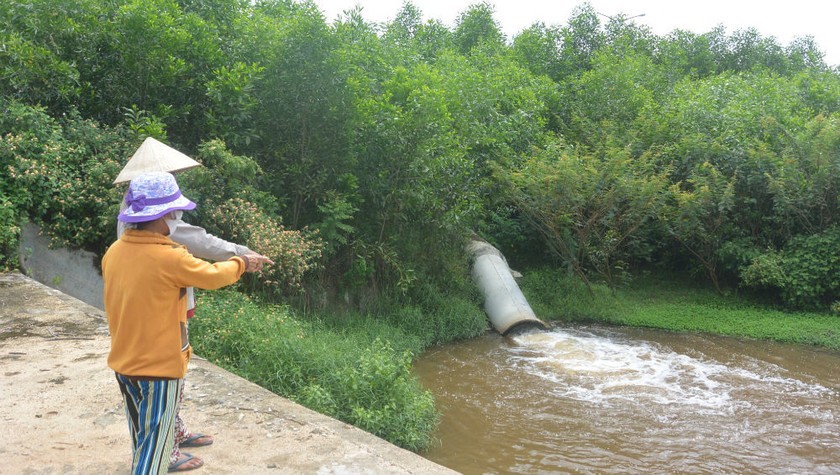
{"x": 197, "y": 440}
{"x": 185, "y": 457}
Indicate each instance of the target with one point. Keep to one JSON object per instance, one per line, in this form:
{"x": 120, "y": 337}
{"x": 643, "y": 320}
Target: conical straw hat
{"x": 154, "y": 156}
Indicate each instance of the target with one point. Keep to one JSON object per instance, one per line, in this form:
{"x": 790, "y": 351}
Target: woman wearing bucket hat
{"x": 146, "y": 275}
{"x": 154, "y": 156}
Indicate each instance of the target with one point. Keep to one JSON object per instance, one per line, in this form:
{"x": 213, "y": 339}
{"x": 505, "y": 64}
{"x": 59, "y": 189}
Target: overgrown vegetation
{"x": 709, "y": 152}
{"x": 358, "y": 371}
{"x": 356, "y": 367}
{"x": 361, "y": 157}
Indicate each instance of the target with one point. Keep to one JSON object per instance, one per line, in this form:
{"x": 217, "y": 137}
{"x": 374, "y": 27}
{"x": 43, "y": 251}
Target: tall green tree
{"x": 603, "y": 103}
{"x": 699, "y": 216}
{"x": 302, "y": 120}
{"x": 686, "y": 54}
{"x": 589, "y": 208}
{"x": 44, "y": 46}
{"x": 582, "y": 37}
{"x": 806, "y": 186}
{"x": 538, "y": 49}
{"x": 477, "y": 28}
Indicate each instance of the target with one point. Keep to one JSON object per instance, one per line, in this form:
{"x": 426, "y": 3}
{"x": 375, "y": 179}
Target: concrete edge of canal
{"x": 62, "y": 413}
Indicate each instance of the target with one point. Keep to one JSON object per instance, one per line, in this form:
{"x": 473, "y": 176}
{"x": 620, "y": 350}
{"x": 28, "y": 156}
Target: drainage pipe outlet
{"x": 504, "y": 302}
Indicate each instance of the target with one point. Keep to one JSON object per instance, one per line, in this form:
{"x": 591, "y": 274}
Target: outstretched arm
{"x": 204, "y": 245}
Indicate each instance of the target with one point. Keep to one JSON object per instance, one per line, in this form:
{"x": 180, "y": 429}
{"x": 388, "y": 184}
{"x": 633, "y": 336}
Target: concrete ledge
{"x": 73, "y": 272}
{"x": 61, "y": 411}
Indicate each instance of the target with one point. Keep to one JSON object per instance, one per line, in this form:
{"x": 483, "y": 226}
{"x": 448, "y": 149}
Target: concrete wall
{"x": 74, "y": 273}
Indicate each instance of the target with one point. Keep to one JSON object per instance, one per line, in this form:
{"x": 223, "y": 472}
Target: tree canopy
{"x": 600, "y": 147}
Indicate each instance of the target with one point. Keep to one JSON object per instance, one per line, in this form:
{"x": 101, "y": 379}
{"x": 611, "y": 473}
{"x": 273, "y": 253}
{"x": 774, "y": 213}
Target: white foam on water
{"x": 586, "y": 366}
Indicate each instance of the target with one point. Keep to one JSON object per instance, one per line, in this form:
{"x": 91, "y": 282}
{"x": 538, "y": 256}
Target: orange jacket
{"x": 145, "y": 276}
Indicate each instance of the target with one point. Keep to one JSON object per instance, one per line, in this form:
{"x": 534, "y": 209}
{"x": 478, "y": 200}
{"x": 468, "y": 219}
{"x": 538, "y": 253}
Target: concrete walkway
{"x": 61, "y": 412}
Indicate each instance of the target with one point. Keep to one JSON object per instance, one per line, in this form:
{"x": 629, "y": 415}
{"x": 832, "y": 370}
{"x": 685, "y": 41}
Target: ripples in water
{"x": 606, "y": 400}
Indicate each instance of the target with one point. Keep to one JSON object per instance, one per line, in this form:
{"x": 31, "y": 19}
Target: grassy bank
{"x": 354, "y": 368}
{"x": 679, "y": 305}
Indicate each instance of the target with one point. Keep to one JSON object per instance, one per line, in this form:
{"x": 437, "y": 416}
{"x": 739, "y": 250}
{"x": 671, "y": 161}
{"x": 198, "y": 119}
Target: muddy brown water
{"x": 596, "y": 400}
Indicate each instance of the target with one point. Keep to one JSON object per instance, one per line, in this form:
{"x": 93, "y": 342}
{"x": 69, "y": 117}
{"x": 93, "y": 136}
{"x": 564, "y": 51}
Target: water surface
{"x": 596, "y": 400}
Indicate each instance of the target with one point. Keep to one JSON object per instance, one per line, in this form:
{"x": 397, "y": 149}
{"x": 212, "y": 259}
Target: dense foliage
{"x": 362, "y": 156}
{"x": 351, "y": 372}
{"x": 601, "y": 146}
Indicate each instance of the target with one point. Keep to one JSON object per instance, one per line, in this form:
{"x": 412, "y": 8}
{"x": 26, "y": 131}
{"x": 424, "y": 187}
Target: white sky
{"x": 783, "y": 20}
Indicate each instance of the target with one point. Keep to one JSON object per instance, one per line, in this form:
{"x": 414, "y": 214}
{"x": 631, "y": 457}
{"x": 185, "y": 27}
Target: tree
{"x": 405, "y": 27}
{"x": 582, "y": 37}
{"x": 588, "y": 208}
{"x": 804, "y": 54}
{"x": 805, "y": 188}
{"x": 683, "y": 53}
{"x": 538, "y": 49}
{"x": 38, "y": 59}
{"x": 607, "y": 99}
{"x": 303, "y": 115}
{"x": 233, "y": 103}
{"x": 699, "y": 216}
{"x": 476, "y": 27}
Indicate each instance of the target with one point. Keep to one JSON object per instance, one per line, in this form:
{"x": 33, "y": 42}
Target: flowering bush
{"x": 58, "y": 174}
{"x": 294, "y": 252}
{"x": 9, "y": 235}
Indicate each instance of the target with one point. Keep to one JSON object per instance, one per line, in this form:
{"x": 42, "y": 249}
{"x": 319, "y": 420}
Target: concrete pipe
{"x": 504, "y": 302}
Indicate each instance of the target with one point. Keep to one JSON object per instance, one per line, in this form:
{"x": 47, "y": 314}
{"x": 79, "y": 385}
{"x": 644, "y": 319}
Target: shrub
{"x": 294, "y": 252}
{"x": 380, "y": 395}
{"x": 806, "y": 272}
{"x": 59, "y": 175}
{"x": 9, "y": 234}
{"x": 343, "y": 372}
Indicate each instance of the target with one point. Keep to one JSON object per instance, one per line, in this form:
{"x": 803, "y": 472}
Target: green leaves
{"x": 477, "y": 29}
{"x": 233, "y": 102}
{"x": 30, "y": 71}
{"x": 698, "y": 214}
{"x": 806, "y": 271}
{"x": 588, "y": 208}
{"x": 397, "y": 140}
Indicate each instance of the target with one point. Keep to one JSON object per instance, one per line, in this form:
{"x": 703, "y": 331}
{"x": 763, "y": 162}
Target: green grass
{"x": 677, "y": 305}
{"x": 355, "y": 368}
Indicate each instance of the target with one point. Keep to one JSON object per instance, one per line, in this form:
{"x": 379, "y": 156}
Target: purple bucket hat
{"x": 152, "y": 195}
